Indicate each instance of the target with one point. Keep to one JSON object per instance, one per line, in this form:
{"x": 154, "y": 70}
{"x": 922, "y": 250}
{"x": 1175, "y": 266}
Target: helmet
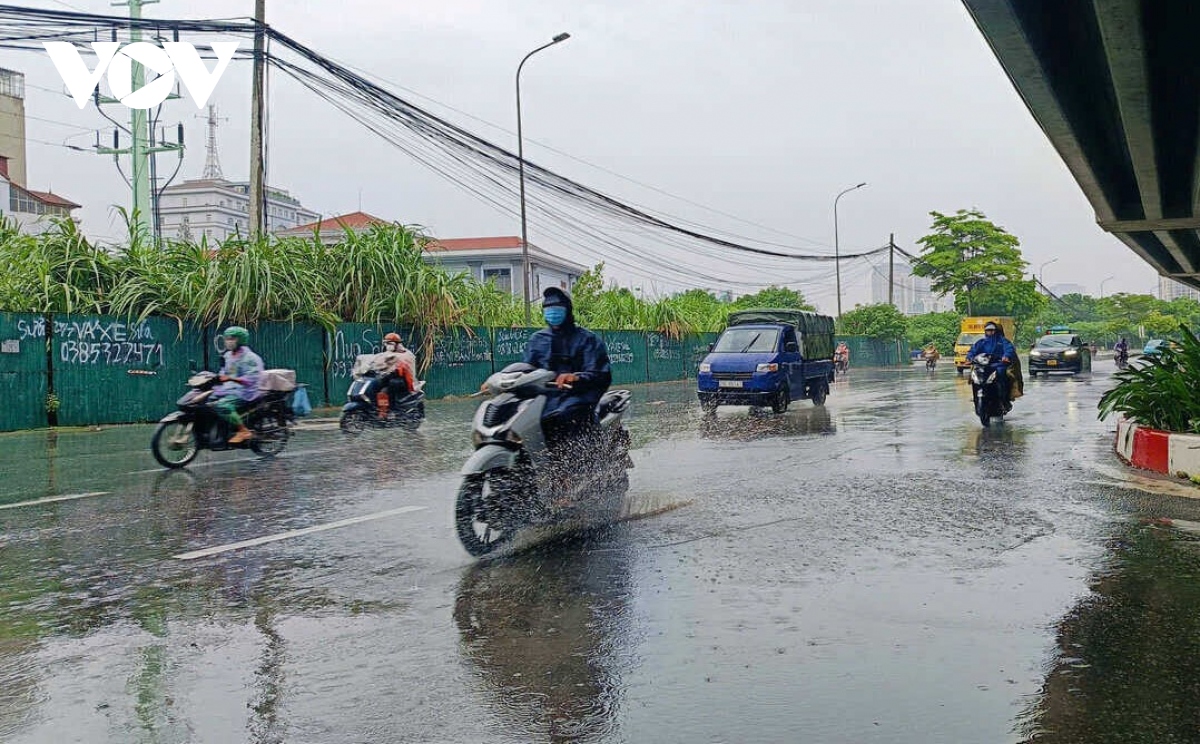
{"x": 392, "y": 337}
{"x": 241, "y": 334}
{"x": 990, "y": 326}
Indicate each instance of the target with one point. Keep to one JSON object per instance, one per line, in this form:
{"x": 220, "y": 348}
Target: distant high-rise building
{"x": 1169, "y": 289}
{"x": 1066, "y": 289}
{"x": 912, "y": 294}
{"x": 218, "y": 209}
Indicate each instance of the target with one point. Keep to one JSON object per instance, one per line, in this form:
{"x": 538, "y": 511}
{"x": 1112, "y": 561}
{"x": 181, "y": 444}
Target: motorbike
{"x": 985, "y": 390}
{"x": 379, "y": 411}
{"x": 841, "y": 364}
{"x": 181, "y": 435}
{"x": 512, "y": 481}
{"x": 1122, "y": 360}
{"x": 931, "y": 362}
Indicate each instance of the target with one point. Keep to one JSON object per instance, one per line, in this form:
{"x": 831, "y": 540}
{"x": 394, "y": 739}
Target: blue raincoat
{"x": 570, "y": 348}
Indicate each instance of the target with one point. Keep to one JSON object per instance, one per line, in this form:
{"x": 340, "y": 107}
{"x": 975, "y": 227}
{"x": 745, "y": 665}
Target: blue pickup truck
{"x": 768, "y": 357}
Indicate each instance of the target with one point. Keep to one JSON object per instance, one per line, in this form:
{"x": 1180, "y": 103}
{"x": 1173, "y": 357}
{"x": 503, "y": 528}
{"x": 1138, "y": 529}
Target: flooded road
{"x": 878, "y": 570}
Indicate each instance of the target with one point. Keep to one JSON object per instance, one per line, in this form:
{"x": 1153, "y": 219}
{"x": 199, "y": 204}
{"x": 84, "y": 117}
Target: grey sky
{"x": 763, "y": 110}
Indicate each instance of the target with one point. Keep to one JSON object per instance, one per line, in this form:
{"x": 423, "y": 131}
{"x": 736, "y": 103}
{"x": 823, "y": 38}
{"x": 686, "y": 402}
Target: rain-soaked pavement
{"x": 878, "y": 570}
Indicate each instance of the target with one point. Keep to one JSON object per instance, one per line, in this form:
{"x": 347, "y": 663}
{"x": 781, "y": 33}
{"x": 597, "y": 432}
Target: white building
{"x": 912, "y": 295}
{"x": 499, "y": 259}
{"x": 1169, "y": 289}
{"x": 218, "y": 209}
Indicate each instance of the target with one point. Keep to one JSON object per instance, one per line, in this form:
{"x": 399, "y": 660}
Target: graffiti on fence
{"x": 462, "y": 348}
{"x": 35, "y": 328}
{"x": 510, "y": 342}
{"x": 663, "y": 347}
{"x": 619, "y": 352}
{"x": 348, "y": 346}
{"x": 99, "y": 341}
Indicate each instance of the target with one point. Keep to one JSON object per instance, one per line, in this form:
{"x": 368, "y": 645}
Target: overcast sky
{"x": 761, "y": 110}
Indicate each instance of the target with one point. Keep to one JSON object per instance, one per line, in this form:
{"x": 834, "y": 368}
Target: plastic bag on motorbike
{"x": 300, "y": 404}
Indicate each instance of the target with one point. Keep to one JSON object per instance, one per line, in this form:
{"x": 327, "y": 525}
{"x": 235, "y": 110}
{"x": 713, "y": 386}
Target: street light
{"x": 1102, "y": 286}
{"x": 521, "y": 165}
{"x": 837, "y": 253}
{"x": 1043, "y": 269}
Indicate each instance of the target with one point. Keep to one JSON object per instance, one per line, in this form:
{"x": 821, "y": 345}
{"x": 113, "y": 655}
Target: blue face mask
{"x": 555, "y": 314}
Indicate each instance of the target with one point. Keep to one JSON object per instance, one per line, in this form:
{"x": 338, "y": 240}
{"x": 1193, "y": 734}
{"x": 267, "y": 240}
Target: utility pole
{"x": 258, "y": 222}
{"x": 891, "y": 269}
{"x": 140, "y": 147}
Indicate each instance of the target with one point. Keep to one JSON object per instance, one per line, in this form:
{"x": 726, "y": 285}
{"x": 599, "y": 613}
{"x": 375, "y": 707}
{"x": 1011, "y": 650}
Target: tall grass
{"x": 374, "y": 276}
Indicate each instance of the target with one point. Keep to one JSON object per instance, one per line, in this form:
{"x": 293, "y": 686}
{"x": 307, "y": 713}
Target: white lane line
{"x": 294, "y": 533}
{"x": 53, "y": 499}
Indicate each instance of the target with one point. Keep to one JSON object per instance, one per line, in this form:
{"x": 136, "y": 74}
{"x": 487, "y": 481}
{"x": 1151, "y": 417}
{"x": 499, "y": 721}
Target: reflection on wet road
{"x": 878, "y": 570}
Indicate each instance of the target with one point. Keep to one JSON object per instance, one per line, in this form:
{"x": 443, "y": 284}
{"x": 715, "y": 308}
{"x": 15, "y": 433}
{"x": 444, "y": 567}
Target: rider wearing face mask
{"x": 580, "y": 359}
{"x": 239, "y": 381}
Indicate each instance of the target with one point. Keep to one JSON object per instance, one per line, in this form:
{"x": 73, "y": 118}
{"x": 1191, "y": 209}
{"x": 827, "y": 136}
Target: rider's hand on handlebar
{"x": 1006, "y": 360}
{"x": 565, "y": 380}
{"x": 224, "y": 378}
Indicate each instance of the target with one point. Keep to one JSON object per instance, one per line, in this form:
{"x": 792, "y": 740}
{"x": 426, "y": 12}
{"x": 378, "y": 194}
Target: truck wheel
{"x": 819, "y": 393}
{"x": 782, "y": 399}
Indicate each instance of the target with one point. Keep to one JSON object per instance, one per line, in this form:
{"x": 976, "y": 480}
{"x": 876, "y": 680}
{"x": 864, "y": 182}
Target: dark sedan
{"x": 1059, "y": 352}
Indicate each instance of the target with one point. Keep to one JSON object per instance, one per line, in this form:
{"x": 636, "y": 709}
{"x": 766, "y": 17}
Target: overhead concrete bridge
{"x": 1115, "y": 85}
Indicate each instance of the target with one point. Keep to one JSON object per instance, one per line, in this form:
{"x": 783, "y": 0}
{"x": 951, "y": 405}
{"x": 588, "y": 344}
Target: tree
{"x": 773, "y": 296}
{"x": 876, "y": 321}
{"x": 940, "y": 329}
{"x": 966, "y": 253}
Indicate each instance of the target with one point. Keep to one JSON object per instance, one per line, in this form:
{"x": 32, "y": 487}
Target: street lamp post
{"x": 1102, "y": 286}
{"x": 837, "y": 253}
{"x": 521, "y": 166}
{"x": 1042, "y": 270}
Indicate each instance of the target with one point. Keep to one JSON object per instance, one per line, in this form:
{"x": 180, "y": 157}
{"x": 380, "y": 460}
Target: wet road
{"x": 879, "y": 570}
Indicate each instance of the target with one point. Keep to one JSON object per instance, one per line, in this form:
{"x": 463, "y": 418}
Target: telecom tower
{"x": 142, "y": 147}
{"x": 212, "y": 163}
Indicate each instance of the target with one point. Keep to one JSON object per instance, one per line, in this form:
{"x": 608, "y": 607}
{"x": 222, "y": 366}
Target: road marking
{"x": 53, "y": 499}
{"x": 294, "y": 533}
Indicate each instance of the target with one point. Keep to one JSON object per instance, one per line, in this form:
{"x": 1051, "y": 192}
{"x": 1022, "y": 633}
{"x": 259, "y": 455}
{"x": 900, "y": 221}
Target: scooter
{"x": 985, "y": 390}
{"x": 1122, "y": 360}
{"x": 195, "y": 426}
{"x": 513, "y": 481}
{"x": 931, "y": 362}
{"x": 841, "y": 364}
{"x": 379, "y": 410}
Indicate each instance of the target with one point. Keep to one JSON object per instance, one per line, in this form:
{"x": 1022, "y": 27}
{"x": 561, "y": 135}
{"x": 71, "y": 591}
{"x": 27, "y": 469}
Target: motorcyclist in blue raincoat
{"x": 1003, "y": 354}
{"x": 581, "y": 360}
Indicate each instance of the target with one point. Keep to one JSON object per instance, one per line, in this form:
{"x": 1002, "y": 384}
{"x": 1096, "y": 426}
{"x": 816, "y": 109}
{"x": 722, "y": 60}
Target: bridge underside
{"x": 1115, "y": 85}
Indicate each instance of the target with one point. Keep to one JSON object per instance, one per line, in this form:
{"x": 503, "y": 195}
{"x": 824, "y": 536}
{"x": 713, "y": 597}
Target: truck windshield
{"x": 967, "y": 339}
{"x": 748, "y": 340}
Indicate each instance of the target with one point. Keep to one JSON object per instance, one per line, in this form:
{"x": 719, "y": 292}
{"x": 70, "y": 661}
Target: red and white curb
{"x": 1161, "y": 451}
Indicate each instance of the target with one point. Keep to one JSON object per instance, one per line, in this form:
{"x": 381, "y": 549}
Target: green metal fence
{"x": 664, "y": 358}
{"x": 627, "y": 354}
{"x": 695, "y": 348}
{"x": 105, "y": 369}
{"x": 110, "y": 370}
{"x": 875, "y": 352}
{"x": 23, "y": 377}
{"x": 461, "y": 361}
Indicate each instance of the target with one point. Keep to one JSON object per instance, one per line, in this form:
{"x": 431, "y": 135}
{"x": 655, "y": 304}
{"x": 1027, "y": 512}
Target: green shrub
{"x": 1163, "y": 391}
